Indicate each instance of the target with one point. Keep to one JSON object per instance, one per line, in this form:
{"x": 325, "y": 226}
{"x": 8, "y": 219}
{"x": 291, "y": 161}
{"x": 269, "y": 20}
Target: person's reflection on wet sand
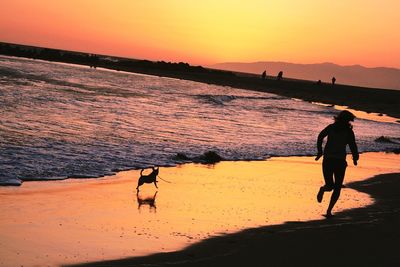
{"x": 147, "y": 200}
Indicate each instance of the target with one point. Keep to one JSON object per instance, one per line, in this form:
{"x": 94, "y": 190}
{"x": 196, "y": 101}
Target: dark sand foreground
{"x": 360, "y": 237}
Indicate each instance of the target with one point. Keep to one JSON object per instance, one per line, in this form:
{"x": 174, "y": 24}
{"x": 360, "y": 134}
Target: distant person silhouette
{"x": 333, "y": 80}
{"x": 340, "y": 134}
{"x": 279, "y": 77}
{"x": 319, "y": 82}
{"x": 264, "y": 75}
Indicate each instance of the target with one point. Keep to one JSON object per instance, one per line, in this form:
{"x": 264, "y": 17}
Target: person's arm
{"x": 353, "y": 147}
{"x": 320, "y": 139}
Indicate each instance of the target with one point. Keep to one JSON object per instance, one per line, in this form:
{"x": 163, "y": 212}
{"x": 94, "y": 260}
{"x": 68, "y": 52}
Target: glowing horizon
{"x": 206, "y": 32}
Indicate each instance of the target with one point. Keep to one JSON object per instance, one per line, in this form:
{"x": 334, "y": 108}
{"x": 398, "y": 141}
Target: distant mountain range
{"x": 380, "y": 77}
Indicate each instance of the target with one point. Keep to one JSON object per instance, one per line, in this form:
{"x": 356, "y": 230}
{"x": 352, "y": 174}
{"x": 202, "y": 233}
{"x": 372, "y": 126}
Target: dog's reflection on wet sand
{"x": 147, "y": 200}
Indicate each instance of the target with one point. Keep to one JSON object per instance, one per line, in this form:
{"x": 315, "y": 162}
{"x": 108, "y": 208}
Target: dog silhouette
{"x": 148, "y": 179}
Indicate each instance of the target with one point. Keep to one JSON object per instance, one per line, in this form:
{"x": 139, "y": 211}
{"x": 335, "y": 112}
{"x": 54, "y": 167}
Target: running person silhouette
{"x": 340, "y": 134}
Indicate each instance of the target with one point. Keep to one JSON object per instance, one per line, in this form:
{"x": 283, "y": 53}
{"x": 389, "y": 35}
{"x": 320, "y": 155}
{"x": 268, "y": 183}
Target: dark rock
{"x": 211, "y": 157}
{"x": 181, "y": 156}
{"x": 383, "y": 139}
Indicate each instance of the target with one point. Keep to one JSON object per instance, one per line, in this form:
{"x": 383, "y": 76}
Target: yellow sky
{"x": 348, "y": 32}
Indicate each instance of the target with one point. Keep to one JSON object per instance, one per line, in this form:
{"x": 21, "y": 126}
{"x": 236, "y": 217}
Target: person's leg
{"x": 339, "y": 172}
{"x": 327, "y": 170}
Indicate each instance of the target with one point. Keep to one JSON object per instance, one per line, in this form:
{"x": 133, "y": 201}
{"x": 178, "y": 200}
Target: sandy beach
{"x": 365, "y": 236}
{"x": 358, "y": 237}
{"x": 198, "y": 218}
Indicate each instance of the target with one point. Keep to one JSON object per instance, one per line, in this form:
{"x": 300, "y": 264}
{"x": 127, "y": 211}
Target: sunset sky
{"x": 349, "y": 32}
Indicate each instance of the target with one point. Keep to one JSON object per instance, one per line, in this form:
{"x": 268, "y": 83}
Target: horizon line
{"x": 204, "y": 65}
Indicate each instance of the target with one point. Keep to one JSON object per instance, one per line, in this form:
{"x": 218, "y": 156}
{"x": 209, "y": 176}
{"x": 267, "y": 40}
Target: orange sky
{"x": 348, "y": 32}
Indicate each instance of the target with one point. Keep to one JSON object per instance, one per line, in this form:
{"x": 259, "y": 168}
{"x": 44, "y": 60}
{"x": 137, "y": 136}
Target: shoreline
{"x": 358, "y": 237}
{"x": 19, "y": 182}
{"x": 254, "y": 81}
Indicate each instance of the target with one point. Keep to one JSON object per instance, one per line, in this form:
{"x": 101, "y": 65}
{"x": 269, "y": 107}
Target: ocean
{"x": 61, "y": 121}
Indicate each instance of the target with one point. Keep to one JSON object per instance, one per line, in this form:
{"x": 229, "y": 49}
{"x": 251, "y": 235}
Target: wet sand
{"x": 359, "y": 237}
{"x": 205, "y": 207}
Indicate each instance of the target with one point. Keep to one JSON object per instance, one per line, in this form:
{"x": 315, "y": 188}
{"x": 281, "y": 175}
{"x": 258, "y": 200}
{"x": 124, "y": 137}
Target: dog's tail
{"x": 164, "y": 180}
{"x": 141, "y": 172}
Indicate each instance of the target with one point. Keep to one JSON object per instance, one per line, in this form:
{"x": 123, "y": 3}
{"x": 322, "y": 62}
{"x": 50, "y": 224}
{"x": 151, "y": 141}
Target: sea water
{"x": 59, "y": 121}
